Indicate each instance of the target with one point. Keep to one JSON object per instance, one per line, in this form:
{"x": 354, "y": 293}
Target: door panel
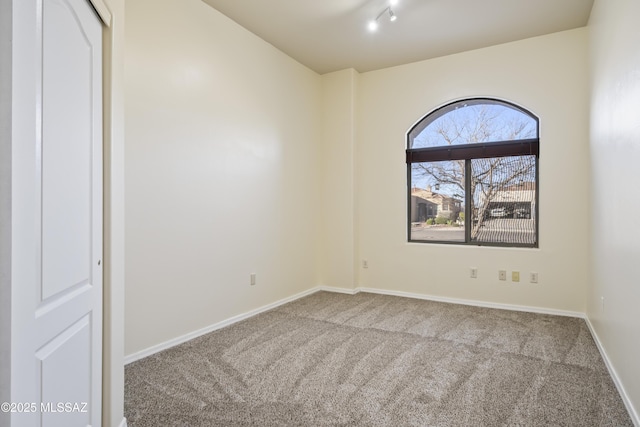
{"x": 66, "y": 154}
{"x": 64, "y": 365}
{"x": 56, "y": 256}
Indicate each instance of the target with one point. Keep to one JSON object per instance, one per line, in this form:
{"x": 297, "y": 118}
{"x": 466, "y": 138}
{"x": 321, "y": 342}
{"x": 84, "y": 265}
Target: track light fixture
{"x": 373, "y": 24}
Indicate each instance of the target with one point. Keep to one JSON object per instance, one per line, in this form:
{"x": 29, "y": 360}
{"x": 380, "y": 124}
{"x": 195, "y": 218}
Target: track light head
{"x": 373, "y": 24}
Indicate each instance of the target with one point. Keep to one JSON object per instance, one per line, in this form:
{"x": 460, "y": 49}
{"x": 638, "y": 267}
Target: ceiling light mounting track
{"x": 373, "y": 24}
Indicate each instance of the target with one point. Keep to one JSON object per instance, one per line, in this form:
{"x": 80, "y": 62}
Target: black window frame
{"x": 469, "y": 152}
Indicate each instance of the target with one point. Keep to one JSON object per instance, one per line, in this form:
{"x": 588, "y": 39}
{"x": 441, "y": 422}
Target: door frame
{"x": 5, "y": 203}
{"x": 113, "y": 218}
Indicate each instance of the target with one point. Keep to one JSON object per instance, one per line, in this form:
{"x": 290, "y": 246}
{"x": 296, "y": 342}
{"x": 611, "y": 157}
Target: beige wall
{"x": 222, "y": 137}
{"x": 546, "y": 75}
{"x": 240, "y": 160}
{"x": 615, "y": 174}
{"x": 337, "y": 238}
{"x": 217, "y": 118}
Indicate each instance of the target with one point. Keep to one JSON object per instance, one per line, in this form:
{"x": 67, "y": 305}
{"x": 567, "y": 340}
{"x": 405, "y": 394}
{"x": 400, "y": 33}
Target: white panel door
{"x": 57, "y": 335}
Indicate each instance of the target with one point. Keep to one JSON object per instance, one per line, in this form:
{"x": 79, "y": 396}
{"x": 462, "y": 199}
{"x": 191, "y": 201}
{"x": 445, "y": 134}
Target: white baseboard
{"x": 633, "y": 413}
{"x": 191, "y": 335}
{"x": 353, "y": 291}
{"x": 350, "y": 291}
{"x": 474, "y": 303}
{"x": 614, "y": 375}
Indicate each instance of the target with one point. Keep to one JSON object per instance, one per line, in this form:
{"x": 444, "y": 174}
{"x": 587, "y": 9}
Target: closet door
{"x": 57, "y": 250}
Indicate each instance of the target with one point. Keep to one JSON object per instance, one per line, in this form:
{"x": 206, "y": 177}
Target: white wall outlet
{"x": 533, "y": 277}
{"x": 602, "y": 299}
{"x": 473, "y": 272}
{"x": 502, "y": 274}
{"x": 252, "y": 279}
{"x": 365, "y": 263}
{"x": 515, "y": 276}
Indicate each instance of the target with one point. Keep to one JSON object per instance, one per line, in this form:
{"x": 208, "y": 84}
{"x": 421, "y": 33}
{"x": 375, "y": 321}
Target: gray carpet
{"x": 372, "y": 360}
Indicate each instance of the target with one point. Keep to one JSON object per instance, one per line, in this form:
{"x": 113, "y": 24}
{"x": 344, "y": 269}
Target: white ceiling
{"x": 331, "y": 35}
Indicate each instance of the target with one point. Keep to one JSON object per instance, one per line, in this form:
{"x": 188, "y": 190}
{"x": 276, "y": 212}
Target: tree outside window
{"x": 475, "y": 163}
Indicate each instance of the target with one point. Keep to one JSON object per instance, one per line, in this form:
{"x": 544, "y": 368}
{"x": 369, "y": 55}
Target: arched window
{"x": 472, "y": 171}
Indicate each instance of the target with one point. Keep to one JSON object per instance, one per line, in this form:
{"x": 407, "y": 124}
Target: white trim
{"x": 635, "y": 418}
{"x": 230, "y": 321}
{"x": 102, "y": 10}
{"x": 349, "y": 291}
{"x": 528, "y": 309}
{"x": 353, "y": 291}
